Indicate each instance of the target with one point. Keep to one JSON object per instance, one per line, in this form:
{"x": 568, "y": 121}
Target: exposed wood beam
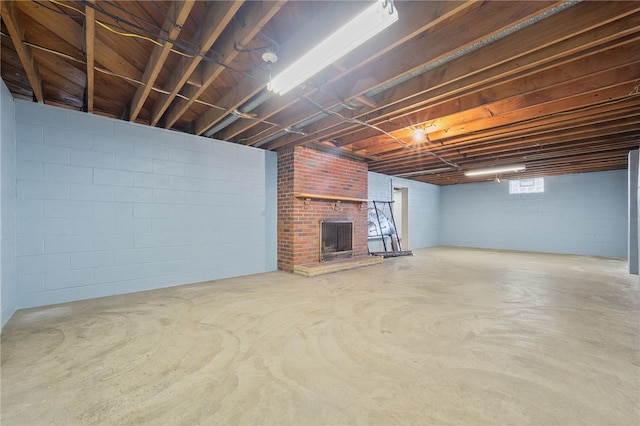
{"x": 460, "y": 151}
{"x": 13, "y": 22}
{"x": 569, "y": 149}
{"x": 71, "y": 32}
{"x": 89, "y": 43}
{"x": 533, "y": 133}
{"x": 608, "y": 68}
{"x": 439, "y": 42}
{"x": 414, "y": 22}
{"x": 443, "y": 85}
{"x": 544, "y": 151}
{"x": 558, "y": 134}
{"x": 217, "y": 19}
{"x": 176, "y": 17}
{"x": 577, "y": 77}
{"x": 536, "y": 105}
{"x": 67, "y": 78}
{"x": 528, "y": 130}
{"x": 591, "y": 43}
{"x": 572, "y": 133}
{"x": 517, "y": 146}
{"x": 579, "y": 30}
{"x": 256, "y": 17}
{"x": 528, "y": 155}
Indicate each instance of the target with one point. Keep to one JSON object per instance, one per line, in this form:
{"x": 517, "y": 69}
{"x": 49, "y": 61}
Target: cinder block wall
{"x": 577, "y": 214}
{"x": 109, "y": 207}
{"x": 7, "y": 204}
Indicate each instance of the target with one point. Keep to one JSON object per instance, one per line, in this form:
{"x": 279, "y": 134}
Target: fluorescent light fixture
{"x": 370, "y": 22}
{"x": 495, "y": 170}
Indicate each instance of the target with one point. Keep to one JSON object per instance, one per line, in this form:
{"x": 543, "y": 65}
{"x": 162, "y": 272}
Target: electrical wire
{"x": 135, "y": 17}
{"x": 262, "y": 131}
{"x": 372, "y": 126}
{"x": 111, "y": 73}
{"x": 51, "y": 9}
{"x": 157, "y": 34}
{"x": 107, "y": 27}
{"x": 114, "y": 17}
{"x": 192, "y": 54}
{"x": 162, "y": 12}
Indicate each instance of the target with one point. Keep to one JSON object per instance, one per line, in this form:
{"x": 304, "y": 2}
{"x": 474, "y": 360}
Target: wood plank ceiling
{"x": 553, "y": 85}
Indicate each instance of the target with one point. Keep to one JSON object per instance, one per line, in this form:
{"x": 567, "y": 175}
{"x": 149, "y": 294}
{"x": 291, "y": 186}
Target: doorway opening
{"x": 401, "y": 214}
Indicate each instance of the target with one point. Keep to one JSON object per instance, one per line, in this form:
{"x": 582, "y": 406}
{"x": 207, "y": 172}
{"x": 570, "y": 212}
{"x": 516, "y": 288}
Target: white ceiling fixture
{"x": 270, "y": 57}
{"x": 496, "y": 170}
{"x": 367, "y": 24}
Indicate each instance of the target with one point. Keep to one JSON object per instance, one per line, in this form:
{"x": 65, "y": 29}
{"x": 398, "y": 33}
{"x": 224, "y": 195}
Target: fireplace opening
{"x": 336, "y": 240}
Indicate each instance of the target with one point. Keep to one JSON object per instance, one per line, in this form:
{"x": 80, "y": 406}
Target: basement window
{"x": 526, "y": 186}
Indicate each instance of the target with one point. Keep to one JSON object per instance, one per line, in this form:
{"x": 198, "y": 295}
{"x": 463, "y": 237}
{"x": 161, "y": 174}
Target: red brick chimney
{"x": 314, "y": 186}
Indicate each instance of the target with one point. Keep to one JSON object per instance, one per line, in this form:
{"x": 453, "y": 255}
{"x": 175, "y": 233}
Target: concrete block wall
{"x": 8, "y": 292}
{"x": 109, "y": 207}
{"x": 424, "y": 207}
{"x": 633, "y": 247}
{"x": 578, "y": 214}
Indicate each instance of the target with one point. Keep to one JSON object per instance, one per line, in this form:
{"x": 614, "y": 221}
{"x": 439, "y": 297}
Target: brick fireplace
{"x": 316, "y": 186}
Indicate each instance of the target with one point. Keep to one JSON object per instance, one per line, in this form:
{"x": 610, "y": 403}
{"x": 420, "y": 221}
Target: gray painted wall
{"x": 578, "y": 214}
{"x": 7, "y": 204}
{"x": 109, "y": 207}
{"x": 633, "y": 204}
{"x": 424, "y": 211}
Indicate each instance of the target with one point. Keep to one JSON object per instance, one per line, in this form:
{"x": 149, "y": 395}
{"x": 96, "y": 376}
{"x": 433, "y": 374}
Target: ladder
{"x": 383, "y": 225}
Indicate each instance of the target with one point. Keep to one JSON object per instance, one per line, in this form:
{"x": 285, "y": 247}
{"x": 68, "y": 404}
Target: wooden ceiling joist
{"x": 72, "y": 32}
{"x": 436, "y": 44}
{"x": 89, "y": 43}
{"x": 450, "y": 82}
{"x": 175, "y": 19}
{"x": 219, "y": 16}
{"x": 255, "y": 18}
{"x": 528, "y": 131}
{"x": 13, "y": 22}
{"x": 417, "y": 21}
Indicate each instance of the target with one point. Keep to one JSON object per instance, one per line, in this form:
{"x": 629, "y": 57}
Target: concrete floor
{"x": 449, "y": 336}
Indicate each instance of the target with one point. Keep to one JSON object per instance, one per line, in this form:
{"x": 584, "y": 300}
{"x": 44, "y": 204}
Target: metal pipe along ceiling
{"x": 264, "y": 96}
{"x": 473, "y": 47}
{"x": 428, "y": 67}
{"x": 297, "y": 127}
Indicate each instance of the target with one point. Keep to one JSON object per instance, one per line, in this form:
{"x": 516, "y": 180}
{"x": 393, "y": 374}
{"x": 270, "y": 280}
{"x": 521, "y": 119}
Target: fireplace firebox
{"x": 336, "y": 240}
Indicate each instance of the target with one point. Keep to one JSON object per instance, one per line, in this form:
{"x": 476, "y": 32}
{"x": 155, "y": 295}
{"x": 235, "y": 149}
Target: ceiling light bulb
{"x": 418, "y": 135}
